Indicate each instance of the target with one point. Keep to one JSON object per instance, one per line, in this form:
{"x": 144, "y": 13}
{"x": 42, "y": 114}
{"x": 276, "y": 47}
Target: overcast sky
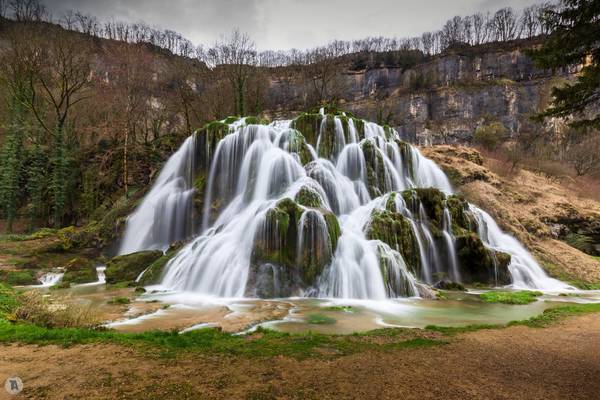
{"x": 286, "y": 24}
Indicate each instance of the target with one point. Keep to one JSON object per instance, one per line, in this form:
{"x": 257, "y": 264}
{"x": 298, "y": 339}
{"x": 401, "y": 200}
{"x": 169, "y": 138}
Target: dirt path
{"x": 560, "y": 362}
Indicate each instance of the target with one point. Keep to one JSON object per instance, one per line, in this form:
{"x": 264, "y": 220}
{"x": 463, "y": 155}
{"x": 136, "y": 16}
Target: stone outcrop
{"x": 443, "y": 100}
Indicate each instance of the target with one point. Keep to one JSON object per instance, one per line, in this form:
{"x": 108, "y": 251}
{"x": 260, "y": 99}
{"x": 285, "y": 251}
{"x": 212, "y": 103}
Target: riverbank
{"x": 561, "y": 361}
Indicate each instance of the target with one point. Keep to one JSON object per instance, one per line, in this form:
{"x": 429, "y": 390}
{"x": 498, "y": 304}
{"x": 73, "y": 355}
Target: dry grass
{"x": 554, "y": 171}
{"x": 60, "y": 313}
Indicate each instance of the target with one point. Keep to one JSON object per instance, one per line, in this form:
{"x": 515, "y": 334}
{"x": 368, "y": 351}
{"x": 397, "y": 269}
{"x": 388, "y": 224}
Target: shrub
{"x": 490, "y": 136}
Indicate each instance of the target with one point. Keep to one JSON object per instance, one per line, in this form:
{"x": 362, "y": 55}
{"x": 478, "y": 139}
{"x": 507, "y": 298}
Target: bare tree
{"x": 3, "y": 8}
{"x": 28, "y": 10}
{"x": 235, "y": 57}
{"x": 505, "y": 24}
{"x": 530, "y": 22}
{"x": 68, "y": 20}
{"x": 480, "y": 28}
{"x": 584, "y": 156}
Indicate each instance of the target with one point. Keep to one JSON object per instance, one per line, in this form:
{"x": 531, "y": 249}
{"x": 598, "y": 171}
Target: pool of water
{"x": 162, "y": 310}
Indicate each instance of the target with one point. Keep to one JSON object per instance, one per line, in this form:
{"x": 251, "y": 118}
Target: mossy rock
{"x": 297, "y": 145}
{"x": 308, "y": 197}
{"x": 207, "y": 139}
{"x": 395, "y": 230}
{"x": 309, "y": 125}
{"x": 155, "y": 271}
{"x": 127, "y": 268}
{"x": 432, "y": 200}
{"x": 375, "y": 165}
{"x": 80, "y": 270}
{"x": 480, "y": 264}
{"x": 276, "y": 246}
{"x": 252, "y": 120}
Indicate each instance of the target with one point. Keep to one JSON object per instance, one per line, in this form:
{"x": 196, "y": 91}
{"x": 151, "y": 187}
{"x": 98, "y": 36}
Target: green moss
{"x": 127, "y": 268}
{"x": 119, "y": 300}
{"x": 520, "y": 297}
{"x": 319, "y": 319}
{"x": 479, "y": 264}
{"x": 375, "y": 165}
{"x": 255, "y": 121}
{"x": 308, "y": 124}
{"x": 333, "y": 228}
{"x": 297, "y": 144}
{"x": 155, "y": 271}
{"x": 230, "y": 120}
{"x": 348, "y": 309}
{"x": 308, "y": 197}
{"x": 396, "y": 231}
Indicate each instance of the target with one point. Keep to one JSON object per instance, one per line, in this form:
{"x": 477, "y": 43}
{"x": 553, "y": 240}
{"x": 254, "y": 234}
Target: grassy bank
{"x": 260, "y": 343}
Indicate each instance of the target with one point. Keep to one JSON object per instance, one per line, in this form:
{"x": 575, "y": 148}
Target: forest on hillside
{"x": 92, "y": 108}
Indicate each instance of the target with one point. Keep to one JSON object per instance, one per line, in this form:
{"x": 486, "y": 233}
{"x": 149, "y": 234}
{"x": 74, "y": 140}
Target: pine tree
{"x": 36, "y": 183}
{"x": 11, "y": 158}
{"x": 575, "y": 40}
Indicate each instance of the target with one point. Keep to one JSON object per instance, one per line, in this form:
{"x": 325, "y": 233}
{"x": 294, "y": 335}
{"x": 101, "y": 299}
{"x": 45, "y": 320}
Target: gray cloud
{"x": 285, "y": 24}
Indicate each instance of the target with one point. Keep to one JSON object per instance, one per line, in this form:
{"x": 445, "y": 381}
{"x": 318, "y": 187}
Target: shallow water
{"x": 336, "y": 316}
{"x": 187, "y": 311}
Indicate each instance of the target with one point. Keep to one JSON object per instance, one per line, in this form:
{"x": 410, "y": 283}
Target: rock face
{"x": 443, "y": 100}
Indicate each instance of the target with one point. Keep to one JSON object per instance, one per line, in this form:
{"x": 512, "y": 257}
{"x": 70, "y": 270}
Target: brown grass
{"x": 60, "y": 313}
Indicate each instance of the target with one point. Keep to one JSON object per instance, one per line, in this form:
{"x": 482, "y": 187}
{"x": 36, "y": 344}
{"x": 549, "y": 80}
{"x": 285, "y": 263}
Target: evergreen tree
{"x": 11, "y": 158}
{"x": 36, "y": 183}
{"x": 575, "y": 39}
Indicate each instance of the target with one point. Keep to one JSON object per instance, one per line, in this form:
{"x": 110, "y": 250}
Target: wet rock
{"x": 449, "y": 285}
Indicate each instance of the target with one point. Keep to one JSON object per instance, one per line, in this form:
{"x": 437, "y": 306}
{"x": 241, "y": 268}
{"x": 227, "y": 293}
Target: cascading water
{"x": 165, "y": 214}
{"x": 283, "y": 218}
{"x": 525, "y": 271}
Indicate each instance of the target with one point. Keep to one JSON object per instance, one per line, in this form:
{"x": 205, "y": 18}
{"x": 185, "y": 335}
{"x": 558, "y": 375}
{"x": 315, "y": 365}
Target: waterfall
{"x": 165, "y": 214}
{"x": 50, "y": 279}
{"x": 450, "y": 245}
{"x": 289, "y": 215}
{"x": 525, "y": 271}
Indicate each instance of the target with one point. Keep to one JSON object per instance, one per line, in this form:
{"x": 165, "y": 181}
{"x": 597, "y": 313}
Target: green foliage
{"x": 520, "y": 297}
{"x": 574, "y": 41}
{"x": 490, "y": 136}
